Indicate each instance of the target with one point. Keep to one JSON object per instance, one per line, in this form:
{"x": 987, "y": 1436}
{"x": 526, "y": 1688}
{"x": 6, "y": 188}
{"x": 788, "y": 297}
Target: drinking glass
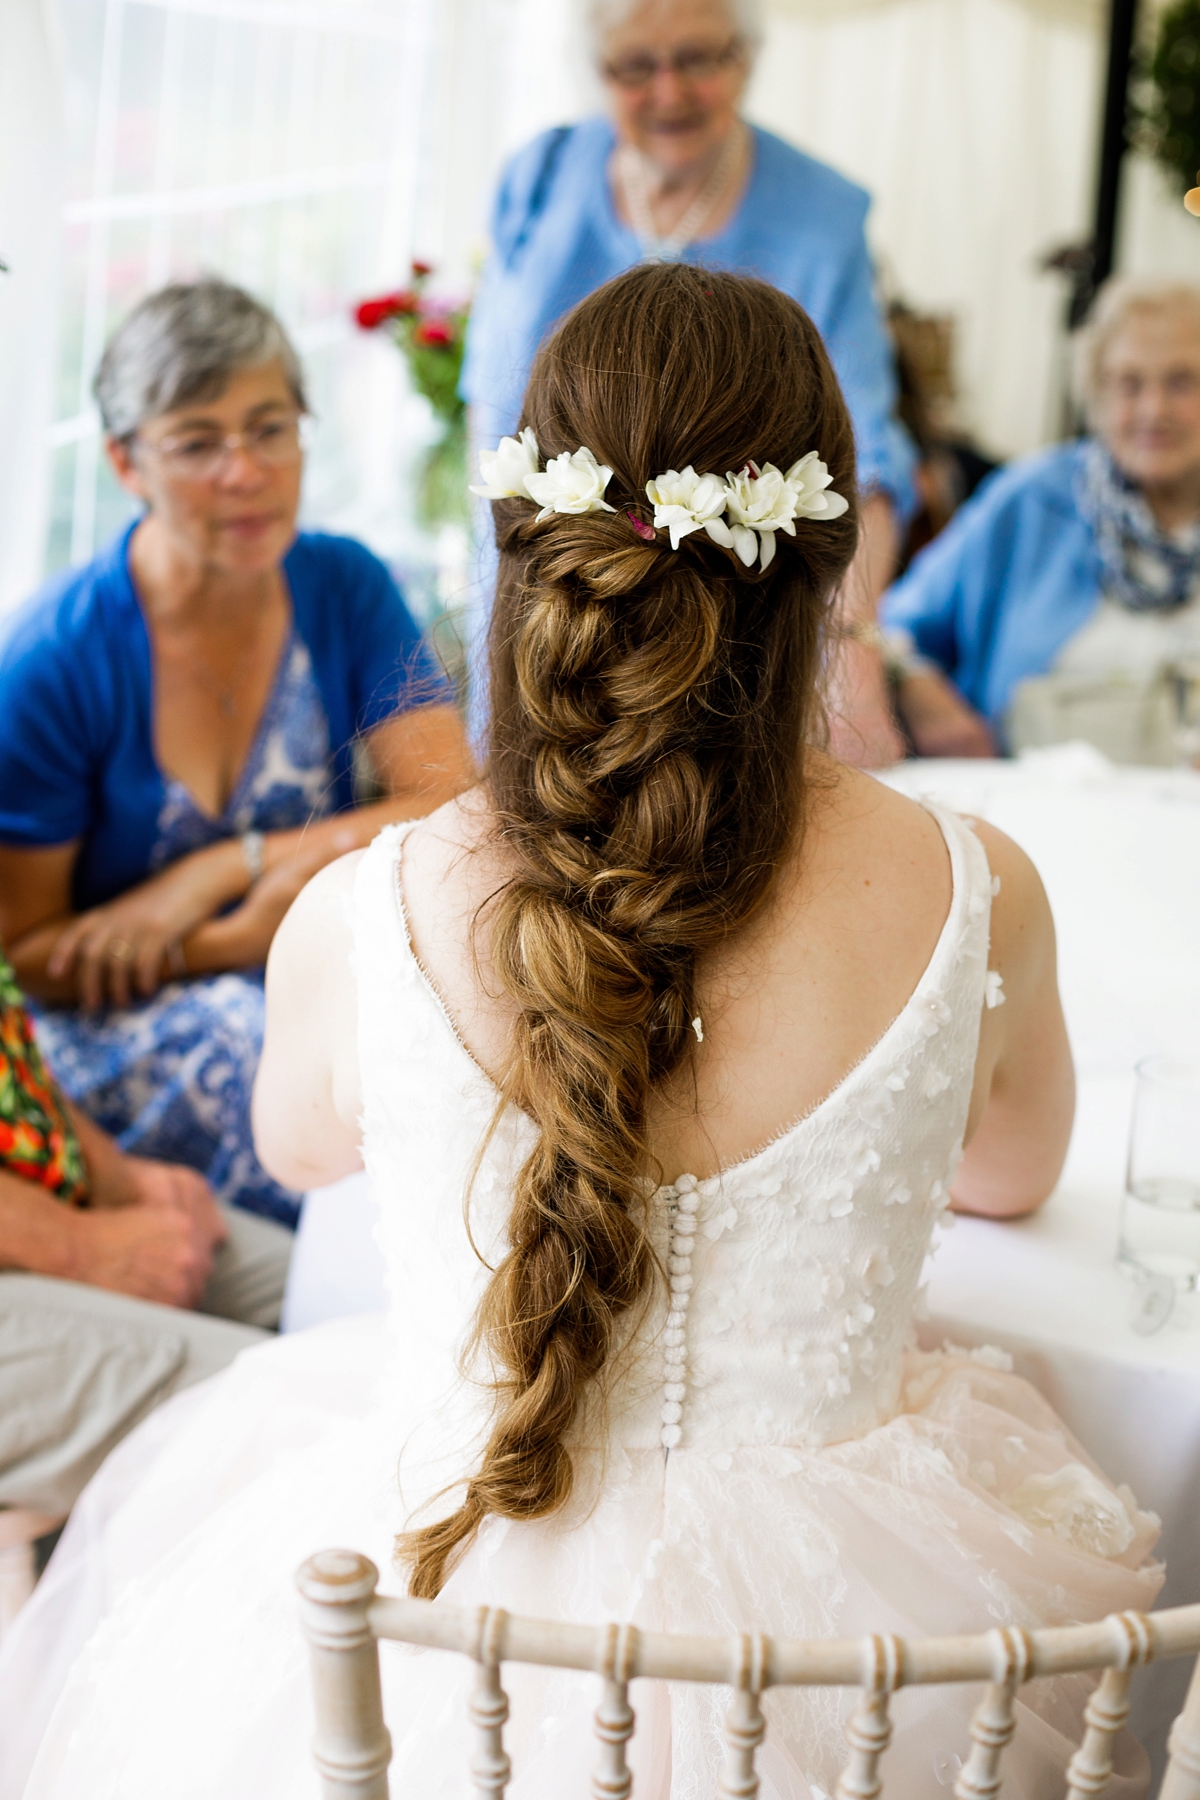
{"x": 1160, "y": 1214}
{"x": 1185, "y": 692}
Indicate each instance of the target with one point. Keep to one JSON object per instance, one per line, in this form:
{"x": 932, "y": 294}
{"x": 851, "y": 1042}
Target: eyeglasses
{"x": 1175, "y": 384}
{"x": 694, "y": 65}
{"x": 200, "y": 455}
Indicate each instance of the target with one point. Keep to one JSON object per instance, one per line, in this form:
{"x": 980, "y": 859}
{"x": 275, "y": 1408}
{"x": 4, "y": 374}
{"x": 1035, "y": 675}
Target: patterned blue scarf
{"x": 1144, "y": 568}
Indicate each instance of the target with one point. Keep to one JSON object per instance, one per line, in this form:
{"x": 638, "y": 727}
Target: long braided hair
{"x": 649, "y": 713}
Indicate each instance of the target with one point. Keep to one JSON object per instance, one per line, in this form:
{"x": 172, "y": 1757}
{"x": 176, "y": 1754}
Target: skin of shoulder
{"x": 861, "y": 836}
{"x": 1023, "y": 1105}
{"x": 307, "y": 1093}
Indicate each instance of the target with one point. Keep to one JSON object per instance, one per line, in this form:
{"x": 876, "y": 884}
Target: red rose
{"x": 421, "y": 270}
{"x": 436, "y": 332}
{"x": 373, "y": 313}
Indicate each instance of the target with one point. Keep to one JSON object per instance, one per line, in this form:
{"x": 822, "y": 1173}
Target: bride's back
{"x": 666, "y": 925}
{"x": 787, "y": 1007}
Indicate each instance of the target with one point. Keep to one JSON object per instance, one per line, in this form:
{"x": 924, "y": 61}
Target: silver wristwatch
{"x": 254, "y": 853}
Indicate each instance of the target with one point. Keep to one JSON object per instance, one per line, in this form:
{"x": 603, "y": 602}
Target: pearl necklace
{"x": 631, "y": 168}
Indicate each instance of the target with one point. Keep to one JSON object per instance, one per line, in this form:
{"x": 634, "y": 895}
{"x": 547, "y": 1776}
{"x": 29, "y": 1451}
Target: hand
{"x": 159, "y": 1246}
{"x": 862, "y": 731}
{"x": 175, "y": 1187}
{"x": 120, "y": 948}
{"x": 939, "y": 720}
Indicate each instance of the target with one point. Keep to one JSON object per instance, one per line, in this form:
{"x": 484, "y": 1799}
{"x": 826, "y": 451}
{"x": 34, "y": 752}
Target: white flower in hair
{"x": 506, "y": 469}
{"x": 571, "y": 484}
{"x": 684, "y": 502}
{"x": 809, "y": 481}
{"x": 759, "y": 502}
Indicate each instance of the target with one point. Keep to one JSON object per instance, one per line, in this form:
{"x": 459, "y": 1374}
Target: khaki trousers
{"x": 79, "y": 1367}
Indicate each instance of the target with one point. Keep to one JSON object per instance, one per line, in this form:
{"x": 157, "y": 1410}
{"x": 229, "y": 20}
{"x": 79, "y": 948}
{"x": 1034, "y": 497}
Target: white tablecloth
{"x": 1119, "y": 851}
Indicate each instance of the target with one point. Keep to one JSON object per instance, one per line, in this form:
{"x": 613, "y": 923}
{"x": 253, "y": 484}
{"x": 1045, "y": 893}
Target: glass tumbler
{"x": 1185, "y": 691}
{"x": 1160, "y": 1214}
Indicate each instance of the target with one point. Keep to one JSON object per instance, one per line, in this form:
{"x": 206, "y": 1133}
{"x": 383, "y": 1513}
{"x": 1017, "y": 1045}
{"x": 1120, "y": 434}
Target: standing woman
{"x": 178, "y": 723}
{"x": 675, "y": 173}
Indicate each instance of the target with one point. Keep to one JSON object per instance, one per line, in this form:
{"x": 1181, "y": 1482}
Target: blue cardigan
{"x": 1015, "y": 574}
{"x": 76, "y": 749}
{"x": 555, "y": 238}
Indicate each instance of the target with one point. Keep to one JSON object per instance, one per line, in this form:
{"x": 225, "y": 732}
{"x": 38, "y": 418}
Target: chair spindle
{"x": 351, "y": 1745}
{"x": 993, "y": 1721}
{"x": 613, "y": 1779}
{"x": 1107, "y": 1710}
{"x": 1182, "y": 1779}
{"x": 870, "y": 1727}
{"x": 490, "y": 1766}
{"x": 745, "y": 1726}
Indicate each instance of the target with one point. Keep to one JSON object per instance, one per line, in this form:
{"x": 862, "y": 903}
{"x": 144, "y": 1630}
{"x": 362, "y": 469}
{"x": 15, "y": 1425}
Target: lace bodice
{"x": 793, "y": 1274}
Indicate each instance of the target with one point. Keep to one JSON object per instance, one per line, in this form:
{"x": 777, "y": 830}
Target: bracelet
{"x": 254, "y": 854}
{"x": 899, "y": 654}
{"x": 176, "y": 960}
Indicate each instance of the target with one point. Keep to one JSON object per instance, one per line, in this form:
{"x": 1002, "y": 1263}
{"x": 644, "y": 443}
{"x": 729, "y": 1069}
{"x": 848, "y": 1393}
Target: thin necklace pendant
{"x": 668, "y": 246}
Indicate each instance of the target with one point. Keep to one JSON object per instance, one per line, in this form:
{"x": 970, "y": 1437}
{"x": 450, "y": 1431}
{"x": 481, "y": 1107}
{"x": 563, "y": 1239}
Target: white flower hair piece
{"x": 686, "y": 502}
{"x": 764, "y": 501}
{"x": 506, "y": 469}
{"x": 742, "y": 512}
{"x": 571, "y": 484}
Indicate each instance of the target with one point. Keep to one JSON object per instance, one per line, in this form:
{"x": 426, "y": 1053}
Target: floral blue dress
{"x": 171, "y": 1076}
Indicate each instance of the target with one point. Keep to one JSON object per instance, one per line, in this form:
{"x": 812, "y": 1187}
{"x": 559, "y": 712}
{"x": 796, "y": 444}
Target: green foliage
{"x": 431, "y": 335}
{"x": 436, "y": 365}
{"x": 1167, "y": 113}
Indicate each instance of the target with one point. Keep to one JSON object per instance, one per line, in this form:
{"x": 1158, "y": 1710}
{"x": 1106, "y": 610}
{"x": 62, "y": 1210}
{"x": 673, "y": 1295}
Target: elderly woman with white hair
{"x": 1061, "y": 599}
{"x": 180, "y": 725}
{"x": 674, "y": 172}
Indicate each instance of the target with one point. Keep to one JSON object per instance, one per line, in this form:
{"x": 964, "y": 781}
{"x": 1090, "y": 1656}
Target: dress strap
{"x": 968, "y": 941}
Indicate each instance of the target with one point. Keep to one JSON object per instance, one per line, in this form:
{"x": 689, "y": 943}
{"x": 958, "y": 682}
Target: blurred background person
{"x": 101, "y": 1257}
{"x": 180, "y": 722}
{"x": 1063, "y": 601}
{"x": 674, "y": 171}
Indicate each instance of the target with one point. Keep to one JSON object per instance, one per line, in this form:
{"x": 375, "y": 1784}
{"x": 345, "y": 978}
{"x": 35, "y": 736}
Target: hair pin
{"x": 740, "y": 512}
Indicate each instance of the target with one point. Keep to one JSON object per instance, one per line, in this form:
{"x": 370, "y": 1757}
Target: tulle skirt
{"x": 166, "y": 1627}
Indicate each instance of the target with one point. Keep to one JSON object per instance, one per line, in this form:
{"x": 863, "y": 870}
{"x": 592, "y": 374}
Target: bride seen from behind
{"x": 660, "y": 1047}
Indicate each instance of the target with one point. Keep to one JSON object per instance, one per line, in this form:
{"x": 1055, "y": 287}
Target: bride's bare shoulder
{"x": 453, "y": 852}
{"x": 851, "y": 813}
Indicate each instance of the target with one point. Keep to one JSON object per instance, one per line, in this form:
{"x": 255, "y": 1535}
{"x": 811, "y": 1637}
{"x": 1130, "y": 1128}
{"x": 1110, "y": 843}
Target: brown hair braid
{"x": 649, "y": 712}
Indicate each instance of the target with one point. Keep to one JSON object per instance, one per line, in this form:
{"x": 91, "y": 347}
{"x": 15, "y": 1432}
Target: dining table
{"x": 1118, "y": 850}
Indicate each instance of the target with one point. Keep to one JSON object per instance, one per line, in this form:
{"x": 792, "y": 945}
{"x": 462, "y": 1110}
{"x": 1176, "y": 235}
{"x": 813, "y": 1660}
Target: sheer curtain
{"x": 974, "y": 125}
{"x": 31, "y": 194}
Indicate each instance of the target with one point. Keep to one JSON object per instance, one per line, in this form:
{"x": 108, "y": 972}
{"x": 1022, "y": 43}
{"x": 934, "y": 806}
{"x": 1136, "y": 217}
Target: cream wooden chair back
{"x": 344, "y": 1618}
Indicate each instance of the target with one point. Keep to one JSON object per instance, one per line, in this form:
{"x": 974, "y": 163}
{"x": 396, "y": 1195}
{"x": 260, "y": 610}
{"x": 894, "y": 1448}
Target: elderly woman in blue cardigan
{"x": 1070, "y": 582}
{"x": 180, "y": 723}
{"x": 674, "y": 171}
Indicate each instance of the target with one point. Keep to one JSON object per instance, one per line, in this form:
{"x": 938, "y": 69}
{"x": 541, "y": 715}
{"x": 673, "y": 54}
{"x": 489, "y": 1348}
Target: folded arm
{"x": 176, "y": 921}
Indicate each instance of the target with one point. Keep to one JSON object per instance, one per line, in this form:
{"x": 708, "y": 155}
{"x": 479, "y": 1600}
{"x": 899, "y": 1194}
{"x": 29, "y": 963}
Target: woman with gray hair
{"x": 178, "y": 727}
{"x": 675, "y": 172}
{"x": 1062, "y": 599}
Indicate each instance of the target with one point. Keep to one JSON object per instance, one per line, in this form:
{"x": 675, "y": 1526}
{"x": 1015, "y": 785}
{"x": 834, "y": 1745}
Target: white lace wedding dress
{"x": 773, "y": 1455}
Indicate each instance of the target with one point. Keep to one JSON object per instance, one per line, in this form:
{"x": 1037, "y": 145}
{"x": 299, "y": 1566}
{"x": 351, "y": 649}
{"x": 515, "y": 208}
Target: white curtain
{"x": 974, "y": 125}
{"x": 31, "y": 196}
